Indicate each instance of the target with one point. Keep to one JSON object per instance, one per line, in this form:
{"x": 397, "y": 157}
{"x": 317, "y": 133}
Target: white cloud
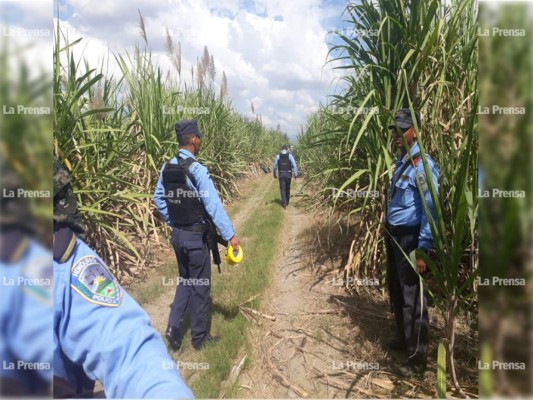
{"x": 273, "y": 52}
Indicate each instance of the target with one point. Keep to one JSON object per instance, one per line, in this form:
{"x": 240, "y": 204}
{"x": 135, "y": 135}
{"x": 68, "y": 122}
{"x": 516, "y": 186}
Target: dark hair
{"x": 185, "y": 140}
{"x": 284, "y": 147}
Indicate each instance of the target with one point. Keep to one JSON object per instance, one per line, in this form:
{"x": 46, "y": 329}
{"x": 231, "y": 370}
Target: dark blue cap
{"x": 187, "y": 127}
{"x": 403, "y": 119}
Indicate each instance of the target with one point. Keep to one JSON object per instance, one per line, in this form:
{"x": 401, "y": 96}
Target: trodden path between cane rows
{"x": 286, "y": 329}
{"x": 257, "y": 218}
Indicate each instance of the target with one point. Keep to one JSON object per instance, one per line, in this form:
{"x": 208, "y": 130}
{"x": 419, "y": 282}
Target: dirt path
{"x": 324, "y": 342}
{"x": 306, "y": 340}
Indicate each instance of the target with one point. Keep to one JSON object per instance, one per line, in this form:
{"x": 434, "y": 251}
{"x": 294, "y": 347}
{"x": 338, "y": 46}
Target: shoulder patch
{"x": 422, "y": 182}
{"x": 36, "y": 279}
{"x": 92, "y": 280}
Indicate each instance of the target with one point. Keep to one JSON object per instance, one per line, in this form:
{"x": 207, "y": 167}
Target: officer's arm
{"x": 275, "y": 168}
{"x": 294, "y": 167}
{"x": 425, "y": 239}
{"x": 159, "y": 197}
{"x": 104, "y": 330}
{"x": 211, "y": 201}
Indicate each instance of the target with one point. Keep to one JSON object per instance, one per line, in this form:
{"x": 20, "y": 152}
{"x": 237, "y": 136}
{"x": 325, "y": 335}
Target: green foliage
{"x": 115, "y": 133}
{"x": 441, "y": 371}
{"x": 420, "y": 55}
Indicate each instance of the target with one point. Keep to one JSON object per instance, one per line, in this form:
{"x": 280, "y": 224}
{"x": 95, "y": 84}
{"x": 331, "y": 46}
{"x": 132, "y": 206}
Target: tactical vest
{"x": 284, "y": 163}
{"x": 183, "y": 203}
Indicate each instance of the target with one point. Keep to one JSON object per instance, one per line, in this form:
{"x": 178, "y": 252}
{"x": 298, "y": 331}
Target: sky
{"x": 273, "y": 52}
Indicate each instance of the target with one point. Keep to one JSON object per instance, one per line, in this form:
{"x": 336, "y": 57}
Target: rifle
{"x": 213, "y": 240}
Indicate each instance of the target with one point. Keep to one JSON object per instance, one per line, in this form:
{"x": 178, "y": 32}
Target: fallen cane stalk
{"x": 256, "y": 313}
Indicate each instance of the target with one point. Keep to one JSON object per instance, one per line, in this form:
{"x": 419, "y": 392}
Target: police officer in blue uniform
{"x": 100, "y": 332}
{"x": 408, "y": 229}
{"x": 285, "y": 168}
{"x": 187, "y": 200}
{"x": 26, "y": 298}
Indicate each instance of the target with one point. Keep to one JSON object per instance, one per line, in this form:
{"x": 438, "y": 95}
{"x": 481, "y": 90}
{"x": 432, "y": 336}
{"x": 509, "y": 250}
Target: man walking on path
{"x": 285, "y": 168}
{"x": 408, "y": 229}
{"x": 188, "y": 201}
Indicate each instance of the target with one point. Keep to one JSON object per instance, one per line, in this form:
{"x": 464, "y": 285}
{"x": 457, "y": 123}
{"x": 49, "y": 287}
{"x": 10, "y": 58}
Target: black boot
{"x": 413, "y": 367}
{"x": 395, "y": 343}
{"x": 174, "y": 338}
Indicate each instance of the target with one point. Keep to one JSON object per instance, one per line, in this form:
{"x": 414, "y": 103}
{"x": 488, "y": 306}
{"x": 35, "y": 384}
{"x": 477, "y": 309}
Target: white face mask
{"x": 283, "y": 151}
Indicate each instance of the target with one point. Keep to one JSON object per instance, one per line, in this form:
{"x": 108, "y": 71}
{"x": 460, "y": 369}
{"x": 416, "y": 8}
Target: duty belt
{"x": 402, "y": 230}
{"x": 202, "y": 228}
{"x": 213, "y": 238}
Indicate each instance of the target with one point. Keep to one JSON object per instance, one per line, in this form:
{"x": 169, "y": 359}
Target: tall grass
{"x": 25, "y": 137}
{"x": 114, "y": 133}
{"x": 420, "y": 55}
{"x": 505, "y": 222}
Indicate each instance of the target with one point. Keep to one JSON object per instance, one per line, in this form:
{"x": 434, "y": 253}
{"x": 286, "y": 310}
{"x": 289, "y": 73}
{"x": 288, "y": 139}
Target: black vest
{"x": 183, "y": 203}
{"x": 284, "y": 164}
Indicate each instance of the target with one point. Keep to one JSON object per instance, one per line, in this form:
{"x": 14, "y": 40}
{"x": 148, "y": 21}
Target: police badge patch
{"x": 91, "y": 279}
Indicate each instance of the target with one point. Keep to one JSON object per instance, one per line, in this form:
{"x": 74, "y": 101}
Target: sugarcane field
{"x": 266, "y": 200}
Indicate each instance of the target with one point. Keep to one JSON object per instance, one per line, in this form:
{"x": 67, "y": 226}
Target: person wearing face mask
{"x": 187, "y": 200}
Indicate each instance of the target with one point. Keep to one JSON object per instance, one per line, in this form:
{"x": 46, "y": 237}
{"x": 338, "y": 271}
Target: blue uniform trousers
{"x": 411, "y": 314}
{"x": 285, "y": 187}
{"x": 194, "y": 283}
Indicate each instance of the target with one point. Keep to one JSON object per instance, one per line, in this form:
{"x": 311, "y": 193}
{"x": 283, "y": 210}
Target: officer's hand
{"x": 234, "y": 241}
{"x": 421, "y": 265}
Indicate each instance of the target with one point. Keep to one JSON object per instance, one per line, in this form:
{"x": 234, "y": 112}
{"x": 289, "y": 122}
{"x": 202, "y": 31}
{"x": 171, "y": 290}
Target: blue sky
{"x": 272, "y": 51}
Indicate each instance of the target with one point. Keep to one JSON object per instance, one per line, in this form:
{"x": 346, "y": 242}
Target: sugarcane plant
{"x": 422, "y": 56}
{"x": 113, "y": 133}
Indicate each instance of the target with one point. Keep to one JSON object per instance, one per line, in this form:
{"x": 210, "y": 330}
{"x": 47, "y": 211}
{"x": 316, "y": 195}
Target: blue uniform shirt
{"x": 209, "y": 196}
{"x": 291, "y": 159}
{"x": 26, "y": 317}
{"x": 99, "y": 327}
{"x": 406, "y": 207}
